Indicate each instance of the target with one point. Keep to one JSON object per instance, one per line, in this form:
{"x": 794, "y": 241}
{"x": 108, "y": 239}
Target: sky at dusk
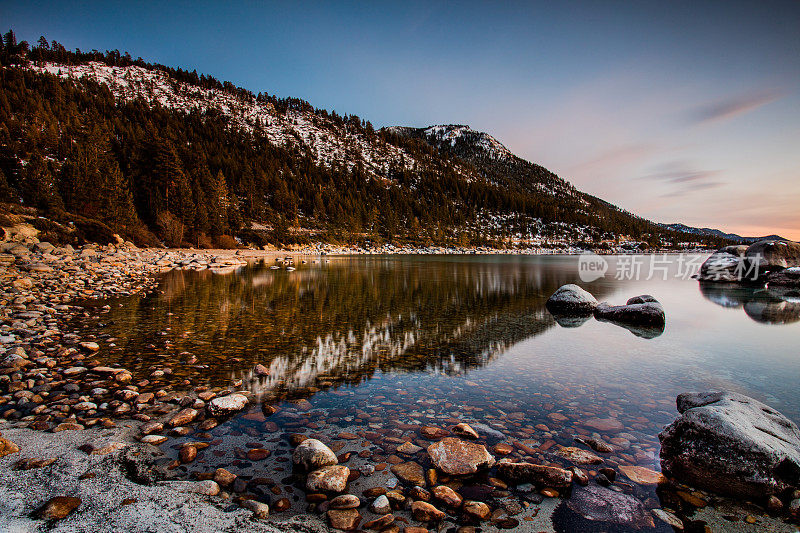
{"x": 678, "y": 111}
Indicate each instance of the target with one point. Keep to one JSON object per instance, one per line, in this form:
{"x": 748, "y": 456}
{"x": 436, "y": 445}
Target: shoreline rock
{"x": 731, "y": 444}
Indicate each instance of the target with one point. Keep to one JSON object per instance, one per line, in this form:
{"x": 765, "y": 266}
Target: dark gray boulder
{"x": 571, "y": 300}
{"x": 724, "y": 265}
{"x": 788, "y": 277}
{"x": 731, "y": 444}
{"x": 603, "y": 508}
{"x": 638, "y": 311}
{"x": 771, "y": 255}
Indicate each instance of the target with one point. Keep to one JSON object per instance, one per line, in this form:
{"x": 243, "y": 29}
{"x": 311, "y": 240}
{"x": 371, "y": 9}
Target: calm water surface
{"x": 374, "y": 343}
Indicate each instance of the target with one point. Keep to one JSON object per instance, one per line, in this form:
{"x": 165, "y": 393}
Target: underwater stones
{"x": 381, "y": 505}
{"x": 732, "y": 444}
{"x": 187, "y": 453}
{"x": 571, "y": 300}
{"x": 540, "y": 475}
{"x": 223, "y": 477}
{"x": 344, "y": 519}
{"x": 642, "y": 475}
{"x": 328, "y": 479}
{"x": 408, "y": 448}
{"x": 447, "y": 496}
{"x": 463, "y": 430}
{"x": 476, "y": 510}
{"x": 603, "y": 506}
{"x": 381, "y": 523}
{"x": 433, "y": 433}
{"x": 183, "y": 417}
{"x": 345, "y": 501}
{"x": 206, "y": 487}
{"x": 227, "y": 405}
{"x": 425, "y": 512}
{"x": 579, "y": 456}
{"x": 457, "y": 457}
{"x": 312, "y": 454}
{"x": 410, "y": 473}
{"x": 595, "y": 444}
{"x": 605, "y": 425}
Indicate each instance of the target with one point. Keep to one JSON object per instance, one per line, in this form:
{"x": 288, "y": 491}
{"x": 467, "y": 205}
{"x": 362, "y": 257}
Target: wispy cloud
{"x": 684, "y": 177}
{"x": 731, "y": 107}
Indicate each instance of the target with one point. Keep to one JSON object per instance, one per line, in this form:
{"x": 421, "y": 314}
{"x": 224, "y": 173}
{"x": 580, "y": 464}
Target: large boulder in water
{"x": 641, "y": 310}
{"x": 788, "y": 277}
{"x": 731, "y": 444}
{"x": 571, "y": 300}
{"x": 771, "y": 255}
{"x": 724, "y": 265}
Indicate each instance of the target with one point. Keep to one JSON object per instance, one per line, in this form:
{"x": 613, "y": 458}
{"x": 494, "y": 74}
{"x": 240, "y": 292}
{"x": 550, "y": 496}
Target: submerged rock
{"x": 571, "y": 300}
{"x": 603, "y": 507}
{"x": 328, "y": 479}
{"x": 58, "y": 507}
{"x": 729, "y": 443}
{"x": 638, "y": 311}
{"x": 457, "y": 457}
{"x": 543, "y": 476}
{"x": 312, "y": 454}
{"x": 227, "y": 405}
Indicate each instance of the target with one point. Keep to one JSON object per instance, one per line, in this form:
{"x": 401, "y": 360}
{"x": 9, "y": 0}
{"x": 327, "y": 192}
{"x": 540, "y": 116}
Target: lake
{"x": 360, "y": 350}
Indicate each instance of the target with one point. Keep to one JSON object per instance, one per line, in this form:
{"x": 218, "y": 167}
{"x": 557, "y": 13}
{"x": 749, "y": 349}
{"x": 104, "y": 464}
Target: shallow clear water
{"x": 384, "y": 343}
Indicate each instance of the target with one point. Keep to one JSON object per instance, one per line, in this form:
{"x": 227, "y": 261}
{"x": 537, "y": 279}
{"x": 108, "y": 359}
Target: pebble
{"x": 58, "y": 507}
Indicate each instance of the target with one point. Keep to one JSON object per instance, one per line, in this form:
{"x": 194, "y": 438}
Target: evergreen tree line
{"x": 148, "y": 173}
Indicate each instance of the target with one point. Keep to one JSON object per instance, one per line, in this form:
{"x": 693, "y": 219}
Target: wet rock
{"x": 227, "y": 405}
{"x": 408, "y": 448}
{"x": 380, "y": 523}
{"x": 410, "y": 473}
{"x": 58, "y": 507}
{"x": 642, "y": 475}
{"x": 433, "y": 433}
{"x": 183, "y": 417}
{"x": 579, "y": 456}
{"x": 604, "y": 507}
{"x": 260, "y": 510}
{"x": 476, "y": 510}
{"x": 547, "y": 476}
{"x": 328, "y": 479}
{"x": 457, "y": 457}
{"x": 207, "y": 487}
{"x": 725, "y": 265}
{"x": 729, "y": 443}
{"x": 187, "y": 454}
{"x": 465, "y": 431}
{"x": 155, "y": 440}
{"x": 668, "y": 518}
{"x": 425, "y": 512}
{"x": 223, "y": 477}
{"x": 595, "y": 444}
{"x": 33, "y": 462}
{"x": 345, "y": 501}
{"x": 7, "y": 447}
{"x": 571, "y": 300}
{"x": 447, "y": 496}
{"x": 344, "y": 519}
{"x": 789, "y": 277}
{"x": 381, "y": 505}
{"x": 638, "y": 311}
{"x": 312, "y": 454}
{"x": 771, "y": 254}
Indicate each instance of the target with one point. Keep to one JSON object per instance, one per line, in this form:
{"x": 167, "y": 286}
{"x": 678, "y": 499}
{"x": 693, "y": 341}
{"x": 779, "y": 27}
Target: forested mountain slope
{"x": 164, "y": 155}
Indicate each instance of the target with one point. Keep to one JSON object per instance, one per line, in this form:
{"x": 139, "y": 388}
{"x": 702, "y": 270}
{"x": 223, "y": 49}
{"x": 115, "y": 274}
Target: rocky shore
{"x": 86, "y": 445}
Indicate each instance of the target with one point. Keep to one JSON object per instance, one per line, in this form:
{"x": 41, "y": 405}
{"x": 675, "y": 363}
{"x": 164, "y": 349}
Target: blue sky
{"x": 678, "y": 111}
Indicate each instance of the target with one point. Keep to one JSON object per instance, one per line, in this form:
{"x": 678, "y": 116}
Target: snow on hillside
{"x": 451, "y": 134}
{"x": 327, "y": 141}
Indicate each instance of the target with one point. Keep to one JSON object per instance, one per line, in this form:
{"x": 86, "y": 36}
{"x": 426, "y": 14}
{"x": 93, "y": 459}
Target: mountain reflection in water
{"x": 332, "y": 323}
